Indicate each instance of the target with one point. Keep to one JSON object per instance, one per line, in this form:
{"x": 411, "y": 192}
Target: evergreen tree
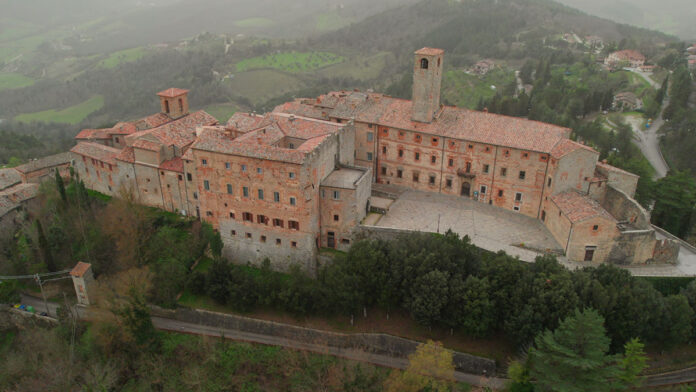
{"x": 45, "y": 248}
{"x": 632, "y": 364}
{"x": 675, "y": 196}
{"x": 574, "y": 356}
{"x": 61, "y": 187}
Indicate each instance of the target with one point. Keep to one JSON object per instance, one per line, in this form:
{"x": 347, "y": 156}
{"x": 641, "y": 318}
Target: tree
{"x": 61, "y": 187}
{"x": 632, "y": 364}
{"x": 45, "y": 248}
{"x": 574, "y": 356}
{"x": 429, "y": 295}
{"x": 135, "y": 316}
{"x": 675, "y": 196}
{"x": 470, "y": 307}
{"x": 430, "y": 368}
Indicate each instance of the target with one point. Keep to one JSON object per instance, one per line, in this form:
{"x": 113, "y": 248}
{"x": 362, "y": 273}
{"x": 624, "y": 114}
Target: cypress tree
{"x": 45, "y": 248}
{"x": 61, "y": 187}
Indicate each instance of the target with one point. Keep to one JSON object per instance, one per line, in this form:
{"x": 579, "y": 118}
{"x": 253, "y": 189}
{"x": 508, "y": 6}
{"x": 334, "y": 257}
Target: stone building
{"x": 83, "y": 279}
{"x": 625, "y": 58}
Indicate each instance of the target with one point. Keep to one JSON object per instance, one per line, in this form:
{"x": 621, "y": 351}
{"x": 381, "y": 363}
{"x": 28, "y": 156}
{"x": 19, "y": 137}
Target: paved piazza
{"x": 488, "y": 227}
{"x": 496, "y": 229}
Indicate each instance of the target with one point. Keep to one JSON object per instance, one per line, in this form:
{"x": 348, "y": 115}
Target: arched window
{"x": 424, "y": 63}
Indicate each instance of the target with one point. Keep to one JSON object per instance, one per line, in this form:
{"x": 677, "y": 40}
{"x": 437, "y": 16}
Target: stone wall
{"x": 666, "y": 251}
{"x": 624, "y": 208}
{"x": 362, "y": 232}
{"x": 381, "y": 344}
{"x": 633, "y": 247}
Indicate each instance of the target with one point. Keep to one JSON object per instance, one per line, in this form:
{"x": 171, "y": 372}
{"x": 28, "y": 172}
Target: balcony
{"x": 465, "y": 174}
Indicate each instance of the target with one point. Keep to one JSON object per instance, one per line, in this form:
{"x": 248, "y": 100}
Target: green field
{"x": 14, "y": 80}
{"x": 465, "y": 90}
{"x": 70, "y": 115}
{"x": 123, "y": 56}
{"x": 330, "y": 21}
{"x": 359, "y": 68}
{"x": 253, "y": 22}
{"x": 291, "y": 61}
{"x": 261, "y": 85}
{"x": 222, "y": 112}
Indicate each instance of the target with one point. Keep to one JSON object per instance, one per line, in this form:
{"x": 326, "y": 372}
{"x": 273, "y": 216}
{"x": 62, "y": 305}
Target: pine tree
{"x": 632, "y": 363}
{"x": 574, "y": 356}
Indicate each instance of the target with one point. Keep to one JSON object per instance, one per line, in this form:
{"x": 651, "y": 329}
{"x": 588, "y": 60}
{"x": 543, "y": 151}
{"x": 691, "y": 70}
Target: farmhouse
{"x": 625, "y": 58}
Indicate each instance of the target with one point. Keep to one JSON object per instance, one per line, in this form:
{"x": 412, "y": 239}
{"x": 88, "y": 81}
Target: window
{"x": 418, "y": 138}
{"x": 278, "y": 241}
{"x": 189, "y": 177}
{"x": 486, "y": 168}
{"x": 293, "y": 201}
{"x": 166, "y": 106}
{"x": 488, "y": 149}
{"x": 384, "y": 170}
{"x": 399, "y": 173}
{"x": 434, "y": 140}
{"x": 323, "y": 194}
{"x": 483, "y": 189}
{"x": 259, "y": 170}
{"x": 500, "y": 193}
{"x": 433, "y": 159}
{"x": 233, "y": 232}
{"x": 448, "y": 183}
{"x": 506, "y": 153}
{"x": 209, "y": 213}
{"x": 335, "y": 217}
{"x": 370, "y": 136}
{"x": 468, "y": 167}
{"x": 295, "y": 225}
{"x": 244, "y": 168}
{"x": 227, "y": 165}
{"x": 181, "y": 105}
{"x": 369, "y": 156}
{"x": 415, "y": 177}
{"x": 260, "y": 194}
{"x": 431, "y": 180}
{"x": 293, "y": 244}
{"x": 543, "y": 216}
{"x": 248, "y": 235}
{"x": 401, "y": 153}
{"x": 195, "y": 196}
{"x": 206, "y": 185}
{"x": 278, "y": 222}
{"x": 229, "y": 189}
{"x": 263, "y": 238}
{"x": 204, "y": 162}
{"x": 523, "y": 174}
{"x": 450, "y": 163}
{"x": 518, "y": 196}
{"x": 245, "y": 191}
{"x": 276, "y": 197}
{"x": 516, "y": 208}
{"x": 247, "y": 217}
{"x": 345, "y": 241}
{"x": 336, "y": 195}
{"x": 525, "y": 155}
{"x": 231, "y": 215}
{"x": 423, "y": 65}
{"x": 261, "y": 219}
{"x": 180, "y": 177}
{"x": 384, "y": 149}
{"x": 503, "y": 171}
{"x": 291, "y": 174}
{"x": 595, "y": 228}
{"x": 471, "y": 146}
{"x": 117, "y": 141}
{"x": 549, "y": 182}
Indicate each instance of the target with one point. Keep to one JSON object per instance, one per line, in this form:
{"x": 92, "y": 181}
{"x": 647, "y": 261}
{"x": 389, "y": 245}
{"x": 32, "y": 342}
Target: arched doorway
{"x": 466, "y": 189}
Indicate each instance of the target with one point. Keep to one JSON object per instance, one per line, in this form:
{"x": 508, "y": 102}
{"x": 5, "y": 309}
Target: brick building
{"x": 283, "y": 185}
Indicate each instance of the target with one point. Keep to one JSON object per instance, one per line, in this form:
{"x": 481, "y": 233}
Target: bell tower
{"x": 174, "y": 102}
{"x": 427, "y": 78}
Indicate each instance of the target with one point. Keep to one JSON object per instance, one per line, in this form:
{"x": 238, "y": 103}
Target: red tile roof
{"x": 175, "y": 164}
{"x": 94, "y": 134}
{"x": 180, "y": 132}
{"x": 21, "y": 192}
{"x": 566, "y": 146}
{"x": 9, "y": 177}
{"x": 628, "y": 54}
{"x": 147, "y": 145}
{"x": 126, "y": 155}
{"x": 172, "y": 92}
{"x": 96, "y": 151}
{"x": 578, "y": 207}
{"x": 244, "y": 121}
{"x": 80, "y": 269}
{"x": 44, "y": 163}
{"x": 452, "y": 122}
{"x": 430, "y": 51}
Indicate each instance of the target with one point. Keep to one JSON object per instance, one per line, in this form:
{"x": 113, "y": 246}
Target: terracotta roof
{"x": 146, "y": 145}
{"x": 80, "y": 269}
{"x": 628, "y": 54}
{"x": 566, "y": 146}
{"x": 94, "y": 134}
{"x": 172, "y": 92}
{"x": 175, "y": 164}
{"x": 9, "y": 177}
{"x": 263, "y": 142}
{"x": 430, "y": 51}
{"x": 452, "y": 122}
{"x": 45, "y": 162}
{"x": 578, "y": 207}
{"x": 152, "y": 121}
{"x": 96, "y": 151}
{"x": 244, "y": 121}
{"x": 126, "y": 155}
{"x": 21, "y": 192}
{"x": 6, "y": 205}
{"x": 610, "y": 168}
{"x": 180, "y": 132}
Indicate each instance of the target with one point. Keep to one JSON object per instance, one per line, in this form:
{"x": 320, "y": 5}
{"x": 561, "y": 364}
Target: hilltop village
{"x": 285, "y": 184}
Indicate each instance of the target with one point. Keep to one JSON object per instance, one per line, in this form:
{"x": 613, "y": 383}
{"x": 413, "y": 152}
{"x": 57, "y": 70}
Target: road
{"x": 355, "y": 355}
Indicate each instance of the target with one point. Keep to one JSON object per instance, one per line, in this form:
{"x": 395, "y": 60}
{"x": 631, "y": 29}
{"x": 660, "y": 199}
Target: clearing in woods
{"x": 294, "y": 62}
{"x": 71, "y": 115}
{"x": 14, "y": 80}
{"x": 123, "y": 56}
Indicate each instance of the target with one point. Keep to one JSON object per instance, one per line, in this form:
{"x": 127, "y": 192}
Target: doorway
{"x": 330, "y": 239}
{"x": 589, "y": 252}
{"x": 466, "y": 189}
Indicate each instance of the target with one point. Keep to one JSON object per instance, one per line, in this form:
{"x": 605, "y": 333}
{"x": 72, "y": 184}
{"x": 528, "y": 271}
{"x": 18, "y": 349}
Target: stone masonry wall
{"x": 624, "y": 208}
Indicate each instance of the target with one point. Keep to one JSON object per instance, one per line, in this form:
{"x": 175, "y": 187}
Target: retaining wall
{"x": 381, "y": 344}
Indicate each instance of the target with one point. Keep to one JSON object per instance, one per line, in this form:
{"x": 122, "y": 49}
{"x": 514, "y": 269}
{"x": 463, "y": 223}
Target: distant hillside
{"x": 498, "y": 29}
{"x": 676, "y": 17}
